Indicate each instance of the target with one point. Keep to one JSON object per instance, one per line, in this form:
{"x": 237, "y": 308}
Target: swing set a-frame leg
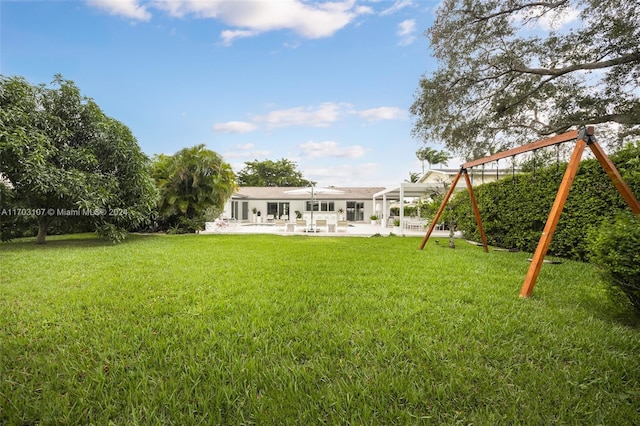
{"x": 441, "y": 209}
{"x": 615, "y": 177}
{"x": 476, "y": 212}
{"x": 552, "y": 221}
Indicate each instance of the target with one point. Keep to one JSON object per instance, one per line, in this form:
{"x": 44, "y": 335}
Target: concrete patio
{"x": 355, "y": 229}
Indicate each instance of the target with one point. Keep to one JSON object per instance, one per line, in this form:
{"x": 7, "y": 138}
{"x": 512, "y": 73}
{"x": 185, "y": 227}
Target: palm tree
{"x": 440, "y": 157}
{"x": 414, "y": 177}
{"x": 423, "y": 154}
{"x": 191, "y": 181}
{"x": 432, "y": 156}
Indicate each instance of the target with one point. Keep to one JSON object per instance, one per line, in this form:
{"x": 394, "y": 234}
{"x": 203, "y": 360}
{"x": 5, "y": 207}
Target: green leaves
{"x": 60, "y": 151}
{"x": 616, "y": 250}
{"x": 512, "y": 71}
{"x": 190, "y": 182}
{"x": 271, "y": 173}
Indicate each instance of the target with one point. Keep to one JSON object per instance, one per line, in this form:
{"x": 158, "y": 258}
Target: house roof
{"x": 411, "y": 190}
{"x": 280, "y": 193}
{"x": 477, "y": 171}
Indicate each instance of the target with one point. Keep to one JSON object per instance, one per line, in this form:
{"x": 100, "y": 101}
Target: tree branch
{"x": 624, "y": 59}
{"x": 516, "y": 9}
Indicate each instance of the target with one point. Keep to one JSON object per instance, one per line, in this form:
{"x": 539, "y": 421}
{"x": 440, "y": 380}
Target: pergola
{"x": 400, "y": 193}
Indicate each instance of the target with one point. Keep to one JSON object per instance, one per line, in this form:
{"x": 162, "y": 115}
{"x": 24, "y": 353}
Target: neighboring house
{"x": 350, "y": 203}
{"x": 478, "y": 176}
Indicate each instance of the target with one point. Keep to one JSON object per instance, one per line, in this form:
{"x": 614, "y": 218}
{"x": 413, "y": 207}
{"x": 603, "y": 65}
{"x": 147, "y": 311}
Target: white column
{"x": 401, "y": 209}
{"x": 383, "y": 222}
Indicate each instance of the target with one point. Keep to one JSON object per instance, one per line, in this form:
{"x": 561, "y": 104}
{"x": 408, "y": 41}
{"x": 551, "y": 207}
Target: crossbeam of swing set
{"x": 565, "y": 137}
{"x": 583, "y": 137}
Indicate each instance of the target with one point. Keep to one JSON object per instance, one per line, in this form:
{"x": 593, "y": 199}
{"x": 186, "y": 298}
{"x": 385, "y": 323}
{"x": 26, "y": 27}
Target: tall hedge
{"x": 514, "y": 210}
{"x": 616, "y": 251}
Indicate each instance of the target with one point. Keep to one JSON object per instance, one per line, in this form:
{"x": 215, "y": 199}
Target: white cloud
{"x": 228, "y": 36}
{"x": 127, "y": 8}
{"x": 321, "y": 116}
{"x": 550, "y": 21}
{"x": 330, "y": 149}
{"x": 407, "y": 32}
{"x": 234, "y": 127}
{"x": 559, "y": 20}
{"x": 381, "y": 113}
{"x": 397, "y": 5}
{"x": 293, "y": 45}
{"x": 343, "y": 175}
{"x": 310, "y": 19}
{"x": 246, "y": 151}
{"x": 246, "y": 146}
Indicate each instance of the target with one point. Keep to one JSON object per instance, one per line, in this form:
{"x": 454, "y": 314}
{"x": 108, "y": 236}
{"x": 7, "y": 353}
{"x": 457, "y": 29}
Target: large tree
{"x": 66, "y": 161}
{"x": 510, "y": 71}
{"x": 191, "y": 182}
{"x": 271, "y": 173}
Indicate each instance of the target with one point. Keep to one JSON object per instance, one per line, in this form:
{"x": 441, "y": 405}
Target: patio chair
{"x": 301, "y": 223}
{"x": 342, "y": 225}
{"x": 321, "y": 224}
{"x": 270, "y": 218}
{"x": 281, "y": 224}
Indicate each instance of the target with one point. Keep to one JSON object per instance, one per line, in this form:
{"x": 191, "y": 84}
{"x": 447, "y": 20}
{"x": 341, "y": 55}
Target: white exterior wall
{"x": 331, "y": 217}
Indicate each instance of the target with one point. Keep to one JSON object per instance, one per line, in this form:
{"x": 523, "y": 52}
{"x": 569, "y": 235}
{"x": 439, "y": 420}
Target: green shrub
{"x": 616, "y": 250}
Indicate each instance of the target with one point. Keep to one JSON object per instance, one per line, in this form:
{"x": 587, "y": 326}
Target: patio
{"x": 354, "y": 229}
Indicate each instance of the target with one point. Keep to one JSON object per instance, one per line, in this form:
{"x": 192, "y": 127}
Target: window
{"x": 278, "y": 209}
{"x": 328, "y": 206}
{"x": 324, "y": 206}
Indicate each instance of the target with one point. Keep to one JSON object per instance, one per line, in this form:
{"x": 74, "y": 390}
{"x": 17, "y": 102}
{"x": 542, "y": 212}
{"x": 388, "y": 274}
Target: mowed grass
{"x": 263, "y": 329}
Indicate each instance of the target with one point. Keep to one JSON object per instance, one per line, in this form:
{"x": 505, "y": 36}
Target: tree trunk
{"x": 42, "y": 229}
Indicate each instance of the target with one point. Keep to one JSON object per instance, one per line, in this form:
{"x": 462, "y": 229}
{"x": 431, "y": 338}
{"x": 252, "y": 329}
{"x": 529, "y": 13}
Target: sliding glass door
{"x": 355, "y": 211}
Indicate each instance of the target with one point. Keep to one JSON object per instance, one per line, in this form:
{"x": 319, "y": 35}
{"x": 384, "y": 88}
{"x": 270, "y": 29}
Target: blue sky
{"x": 327, "y": 85}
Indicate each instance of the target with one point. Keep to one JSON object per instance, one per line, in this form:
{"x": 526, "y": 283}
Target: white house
{"x": 354, "y": 204}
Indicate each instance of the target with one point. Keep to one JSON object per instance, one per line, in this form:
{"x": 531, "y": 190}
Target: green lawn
{"x": 243, "y": 329}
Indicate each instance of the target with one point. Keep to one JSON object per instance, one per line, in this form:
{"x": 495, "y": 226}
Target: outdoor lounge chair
{"x": 281, "y": 224}
{"x": 301, "y": 223}
{"x": 342, "y": 225}
{"x": 321, "y": 224}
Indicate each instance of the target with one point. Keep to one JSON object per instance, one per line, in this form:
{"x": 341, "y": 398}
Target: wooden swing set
{"x": 584, "y": 137}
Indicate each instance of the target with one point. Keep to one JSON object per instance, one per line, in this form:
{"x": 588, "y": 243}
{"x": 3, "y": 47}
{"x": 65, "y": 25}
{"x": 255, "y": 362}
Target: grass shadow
{"x": 66, "y": 241}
